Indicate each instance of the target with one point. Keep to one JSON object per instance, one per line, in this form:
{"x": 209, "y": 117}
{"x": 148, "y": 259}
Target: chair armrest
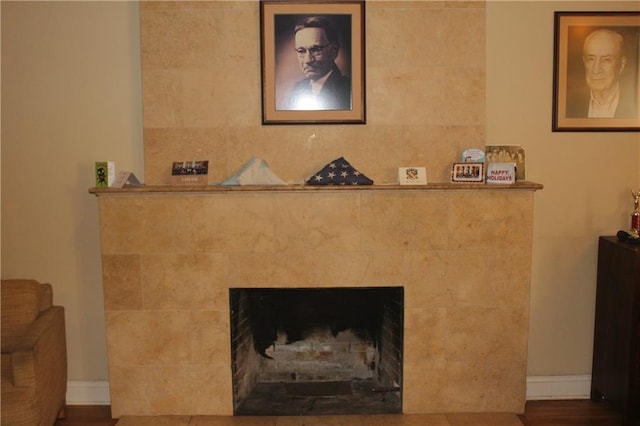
{"x": 39, "y": 341}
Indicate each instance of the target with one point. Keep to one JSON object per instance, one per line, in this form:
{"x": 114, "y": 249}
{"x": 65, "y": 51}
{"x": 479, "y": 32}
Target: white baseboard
{"x": 538, "y": 387}
{"x": 558, "y": 387}
{"x": 88, "y": 393}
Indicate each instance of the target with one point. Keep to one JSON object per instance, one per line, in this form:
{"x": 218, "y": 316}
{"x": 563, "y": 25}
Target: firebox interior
{"x": 316, "y": 350}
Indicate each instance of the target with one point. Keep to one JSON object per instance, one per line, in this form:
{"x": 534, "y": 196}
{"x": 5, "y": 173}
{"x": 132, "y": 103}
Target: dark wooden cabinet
{"x": 616, "y": 350}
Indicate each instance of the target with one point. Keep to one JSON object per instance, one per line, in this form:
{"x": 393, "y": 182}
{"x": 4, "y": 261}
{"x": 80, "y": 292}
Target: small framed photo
{"x": 312, "y": 57}
{"x": 190, "y": 172}
{"x": 596, "y": 81}
{"x": 412, "y": 175}
{"x": 467, "y": 172}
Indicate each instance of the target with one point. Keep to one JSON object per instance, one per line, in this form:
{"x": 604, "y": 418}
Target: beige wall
{"x": 587, "y": 179}
{"x": 71, "y": 95}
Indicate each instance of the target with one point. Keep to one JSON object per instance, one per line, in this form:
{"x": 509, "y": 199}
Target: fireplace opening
{"x": 314, "y": 351}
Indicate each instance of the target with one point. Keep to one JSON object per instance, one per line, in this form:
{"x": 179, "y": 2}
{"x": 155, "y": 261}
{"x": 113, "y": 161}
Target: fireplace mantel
{"x": 176, "y": 189}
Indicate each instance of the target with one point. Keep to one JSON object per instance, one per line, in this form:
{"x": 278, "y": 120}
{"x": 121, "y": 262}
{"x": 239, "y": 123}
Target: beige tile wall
{"x": 463, "y": 258}
{"x": 425, "y": 91}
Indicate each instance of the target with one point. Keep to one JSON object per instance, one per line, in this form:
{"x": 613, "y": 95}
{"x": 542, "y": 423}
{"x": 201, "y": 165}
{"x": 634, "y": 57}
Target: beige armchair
{"x": 34, "y": 355}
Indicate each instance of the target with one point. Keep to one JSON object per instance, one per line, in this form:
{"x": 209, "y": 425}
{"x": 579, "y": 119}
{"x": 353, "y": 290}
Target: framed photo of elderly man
{"x": 596, "y": 84}
{"x": 313, "y": 69}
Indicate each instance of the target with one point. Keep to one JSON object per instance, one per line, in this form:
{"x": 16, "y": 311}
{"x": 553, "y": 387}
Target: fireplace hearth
{"x": 301, "y": 351}
{"x": 320, "y": 398}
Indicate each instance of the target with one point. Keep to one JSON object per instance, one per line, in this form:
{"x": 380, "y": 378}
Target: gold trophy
{"x": 634, "y": 231}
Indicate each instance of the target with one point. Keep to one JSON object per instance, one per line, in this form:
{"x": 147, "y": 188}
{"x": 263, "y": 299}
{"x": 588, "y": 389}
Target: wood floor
{"x": 570, "y": 413}
{"x": 87, "y": 415}
{"x": 537, "y": 413}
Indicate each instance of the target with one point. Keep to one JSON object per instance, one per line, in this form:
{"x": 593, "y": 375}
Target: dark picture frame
{"x": 285, "y": 75}
{"x": 594, "y": 52}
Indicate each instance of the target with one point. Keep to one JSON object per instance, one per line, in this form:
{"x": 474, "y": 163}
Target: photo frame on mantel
{"x": 596, "y": 82}
{"x": 313, "y": 62}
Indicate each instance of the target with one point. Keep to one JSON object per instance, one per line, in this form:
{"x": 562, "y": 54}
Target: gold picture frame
{"x": 595, "y": 90}
{"x": 341, "y": 100}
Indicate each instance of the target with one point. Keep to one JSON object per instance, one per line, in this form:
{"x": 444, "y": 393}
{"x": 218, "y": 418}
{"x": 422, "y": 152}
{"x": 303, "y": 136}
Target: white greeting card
{"x": 501, "y": 173}
{"x": 412, "y": 175}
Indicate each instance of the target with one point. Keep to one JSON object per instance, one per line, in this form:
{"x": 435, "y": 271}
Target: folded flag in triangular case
{"x": 339, "y": 172}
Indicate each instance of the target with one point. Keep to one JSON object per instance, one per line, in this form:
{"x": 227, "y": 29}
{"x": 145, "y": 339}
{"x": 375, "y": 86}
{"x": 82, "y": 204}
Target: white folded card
{"x": 503, "y": 173}
{"x": 412, "y": 175}
{"x": 126, "y": 179}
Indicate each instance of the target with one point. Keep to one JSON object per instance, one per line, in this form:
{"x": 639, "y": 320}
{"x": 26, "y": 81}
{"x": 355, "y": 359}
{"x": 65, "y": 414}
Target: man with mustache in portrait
{"x": 324, "y": 87}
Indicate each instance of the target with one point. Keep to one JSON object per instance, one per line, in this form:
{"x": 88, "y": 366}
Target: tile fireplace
{"x": 171, "y": 257}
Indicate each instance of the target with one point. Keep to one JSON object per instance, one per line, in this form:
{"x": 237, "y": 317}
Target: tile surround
{"x": 425, "y": 91}
{"x": 167, "y": 280}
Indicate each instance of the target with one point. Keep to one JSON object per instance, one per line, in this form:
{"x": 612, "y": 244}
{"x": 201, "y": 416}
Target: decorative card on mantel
{"x": 190, "y": 173}
{"x": 508, "y": 154}
{"x": 126, "y": 179}
{"x": 501, "y": 173}
{"x": 412, "y": 175}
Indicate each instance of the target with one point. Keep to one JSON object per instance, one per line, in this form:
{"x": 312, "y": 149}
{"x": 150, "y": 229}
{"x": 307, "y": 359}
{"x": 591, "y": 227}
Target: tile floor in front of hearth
{"x": 462, "y": 419}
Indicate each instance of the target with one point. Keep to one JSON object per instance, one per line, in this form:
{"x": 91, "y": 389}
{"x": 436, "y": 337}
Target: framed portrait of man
{"x": 596, "y": 83}
{"x": 312, "y": 58}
